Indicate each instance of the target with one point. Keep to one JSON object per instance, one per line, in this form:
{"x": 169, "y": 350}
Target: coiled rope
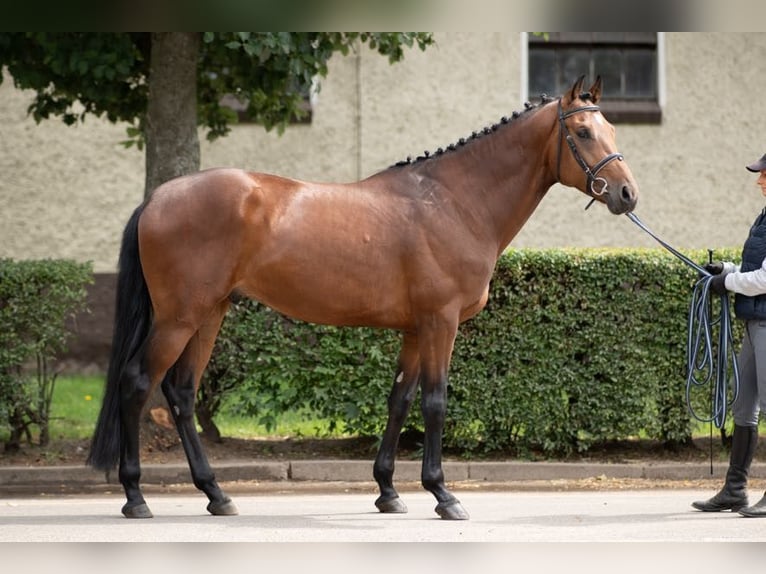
{"x": 704, "y": 366}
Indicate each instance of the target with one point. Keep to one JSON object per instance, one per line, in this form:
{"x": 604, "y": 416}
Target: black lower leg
{"x": 178, "y": 387}
{"x": 399, "y": 402}
{"x": 134, "y": 393}
{"x": 434, "y": 406}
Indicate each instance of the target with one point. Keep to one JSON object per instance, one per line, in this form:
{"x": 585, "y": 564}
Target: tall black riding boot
{"x": 758, "y": 510}
{"x": 733, "y": 495}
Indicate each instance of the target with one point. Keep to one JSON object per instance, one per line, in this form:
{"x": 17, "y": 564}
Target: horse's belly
{"x": 323, "y": 296}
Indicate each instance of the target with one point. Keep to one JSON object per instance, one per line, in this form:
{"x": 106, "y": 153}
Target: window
{"x": 240, "y": 108}
{"x": 628, "y": 62}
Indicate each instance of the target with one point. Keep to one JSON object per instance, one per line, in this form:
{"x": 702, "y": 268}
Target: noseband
{"x": 591, "y": 173}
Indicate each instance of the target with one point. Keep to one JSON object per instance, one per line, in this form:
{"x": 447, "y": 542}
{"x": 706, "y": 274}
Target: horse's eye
{"x": 583, "y": 133}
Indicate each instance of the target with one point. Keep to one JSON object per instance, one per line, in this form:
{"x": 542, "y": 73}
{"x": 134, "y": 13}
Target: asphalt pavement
{"x": 655, "y": 516}
{"x": 548, "y": 504}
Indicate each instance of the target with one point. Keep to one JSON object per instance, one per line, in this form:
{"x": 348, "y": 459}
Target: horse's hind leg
{"x": 135, "y": 389}
{"x": 141, "y": 375}
{"x": 399, "y": 402}
{"x": 180, "y": 388}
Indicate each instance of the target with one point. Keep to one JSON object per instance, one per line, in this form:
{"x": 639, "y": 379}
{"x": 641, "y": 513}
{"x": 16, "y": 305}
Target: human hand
{"x": 718, "y": 284}
{"x": 714, "y": 267}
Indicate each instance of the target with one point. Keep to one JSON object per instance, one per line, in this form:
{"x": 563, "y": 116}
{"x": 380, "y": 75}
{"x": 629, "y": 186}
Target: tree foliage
{"x": 107, "y": 74}
{"x": 152, "y": 81}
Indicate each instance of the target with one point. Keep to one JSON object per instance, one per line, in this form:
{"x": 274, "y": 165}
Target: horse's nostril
{"x": 627, "y": 194}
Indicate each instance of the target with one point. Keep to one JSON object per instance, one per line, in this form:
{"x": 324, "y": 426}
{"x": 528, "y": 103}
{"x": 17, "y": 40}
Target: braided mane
{"x": 528, "y": 107}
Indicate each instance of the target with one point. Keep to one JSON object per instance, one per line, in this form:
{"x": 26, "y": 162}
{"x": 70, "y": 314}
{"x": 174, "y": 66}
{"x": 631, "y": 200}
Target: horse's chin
{"x": 619, "y": 207}
{"x": 618, "y": 210}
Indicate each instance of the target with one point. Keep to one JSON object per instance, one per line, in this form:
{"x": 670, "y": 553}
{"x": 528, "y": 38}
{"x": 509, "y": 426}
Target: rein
{"x": 590, "y": 172}
{"x": 700, "y": 357}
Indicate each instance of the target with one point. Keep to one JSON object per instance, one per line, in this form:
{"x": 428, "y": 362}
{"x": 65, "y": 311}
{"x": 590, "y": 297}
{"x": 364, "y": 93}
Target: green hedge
{"x": 36, "y": 298}
{"x": 574, "y": 348}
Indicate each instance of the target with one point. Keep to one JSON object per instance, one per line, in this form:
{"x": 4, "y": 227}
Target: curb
{"x": 14, "y": 477}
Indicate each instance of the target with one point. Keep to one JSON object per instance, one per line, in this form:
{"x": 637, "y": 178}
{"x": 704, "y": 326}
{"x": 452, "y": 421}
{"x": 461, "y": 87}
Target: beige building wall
{"x": 67, "y": 191}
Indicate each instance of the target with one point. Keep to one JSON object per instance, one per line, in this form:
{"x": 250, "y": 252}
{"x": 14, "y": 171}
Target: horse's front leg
{"x": 436, "y": 352}
{"x": 399, "y": 402}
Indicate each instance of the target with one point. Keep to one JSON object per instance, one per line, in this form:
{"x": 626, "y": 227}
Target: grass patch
{"x": 75, "y": 406}
{"x": 77, "y": 401}
{"x": 299, "y": 424}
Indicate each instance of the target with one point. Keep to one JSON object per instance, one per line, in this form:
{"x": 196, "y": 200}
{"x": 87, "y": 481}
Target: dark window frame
{"x": 630, "y": 105}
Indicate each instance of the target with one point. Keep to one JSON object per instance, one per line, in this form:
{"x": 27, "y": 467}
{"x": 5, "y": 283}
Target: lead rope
{"x": 700, "y": 357}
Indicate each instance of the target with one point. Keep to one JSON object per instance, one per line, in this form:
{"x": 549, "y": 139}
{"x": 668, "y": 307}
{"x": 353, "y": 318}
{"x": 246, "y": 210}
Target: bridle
{"x": 590, "y": 172}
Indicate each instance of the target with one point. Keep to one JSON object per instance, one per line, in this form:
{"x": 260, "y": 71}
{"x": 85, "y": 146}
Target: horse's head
{"x": 590, "y": 161}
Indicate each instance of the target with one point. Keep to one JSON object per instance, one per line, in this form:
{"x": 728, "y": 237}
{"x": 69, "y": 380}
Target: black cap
{"x": 760, "y": 165}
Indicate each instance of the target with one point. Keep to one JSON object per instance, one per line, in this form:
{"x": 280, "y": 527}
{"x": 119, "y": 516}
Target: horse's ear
{"x": 595, "y": 90}
{"x": 576, "y": 90}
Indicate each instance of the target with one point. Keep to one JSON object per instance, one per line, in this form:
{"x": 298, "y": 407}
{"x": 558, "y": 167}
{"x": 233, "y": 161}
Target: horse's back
{"x": 310, "y": 250}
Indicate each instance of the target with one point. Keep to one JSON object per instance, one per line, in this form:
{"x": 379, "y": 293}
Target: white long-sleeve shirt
{"x": 748, "y": 283}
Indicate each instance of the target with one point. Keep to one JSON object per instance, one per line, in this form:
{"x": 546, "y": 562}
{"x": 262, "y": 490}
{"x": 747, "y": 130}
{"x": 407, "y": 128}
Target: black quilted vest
{"x": 753, "y": 254}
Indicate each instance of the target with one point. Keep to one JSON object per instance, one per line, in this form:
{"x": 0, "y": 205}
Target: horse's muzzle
{"x": 622, "y": 199}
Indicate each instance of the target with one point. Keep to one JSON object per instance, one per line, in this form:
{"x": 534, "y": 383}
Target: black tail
{"x": 132, "y": 320}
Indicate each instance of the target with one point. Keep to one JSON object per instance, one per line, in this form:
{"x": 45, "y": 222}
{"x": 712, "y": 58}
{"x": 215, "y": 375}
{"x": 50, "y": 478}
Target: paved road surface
{"x": 602, "y": 516}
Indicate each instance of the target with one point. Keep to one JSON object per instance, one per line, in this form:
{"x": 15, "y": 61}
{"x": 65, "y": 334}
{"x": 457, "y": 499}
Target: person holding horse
{"x": 748, "y": 282}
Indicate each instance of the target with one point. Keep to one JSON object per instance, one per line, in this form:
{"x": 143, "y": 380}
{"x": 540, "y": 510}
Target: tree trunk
{"x": 172, "y": 145}
{"x": 172, "y": 149}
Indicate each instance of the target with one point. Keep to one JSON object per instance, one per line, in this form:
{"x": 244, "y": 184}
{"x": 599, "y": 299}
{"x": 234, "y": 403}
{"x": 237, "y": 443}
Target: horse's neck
{"x": 499, "y": 179}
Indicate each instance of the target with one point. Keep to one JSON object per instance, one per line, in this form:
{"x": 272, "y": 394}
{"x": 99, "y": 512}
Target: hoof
{"x": 137, "y": 511}
{"x": 451, "y": 510}
{"x": 223, "y": 508}
{"x": 391, "y": 505}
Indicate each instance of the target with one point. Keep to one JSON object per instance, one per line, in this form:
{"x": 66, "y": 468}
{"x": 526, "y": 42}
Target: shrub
{"x": 268, "y": 364}
{"x": 36, "y": 298}
{"x": 575, "y": 347}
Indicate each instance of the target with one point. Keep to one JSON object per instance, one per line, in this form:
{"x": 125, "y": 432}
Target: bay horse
{"x": 411, "y": 248}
